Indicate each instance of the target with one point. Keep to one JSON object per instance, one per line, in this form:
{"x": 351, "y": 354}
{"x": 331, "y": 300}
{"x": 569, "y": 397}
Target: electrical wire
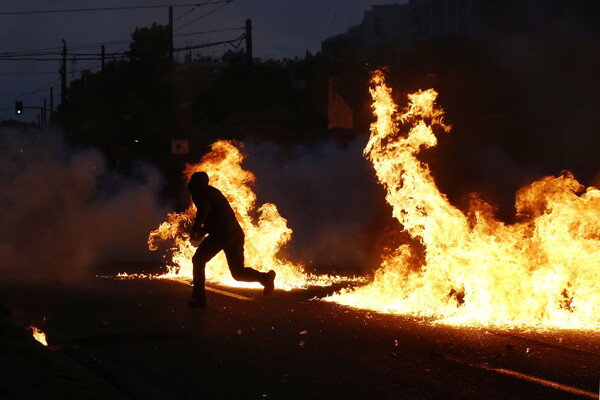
{"x": 43, "y": 54}
{"x": 58, "y": 56}
{"x": 204, "y": 15}
{"x": 188, "y": 12}
{"x": 27, "y": 95}
{"x": 26, "y": 73}
{"x": 206, "y": 32}
{"x": 71, "y": 46}
{"x": 89, "y": 66}
{"x": 235, "y": 43}
{"x": 58, "y": 50}
{"x": 79, "y": 58}
{"x": 30, "y": 93}
{"x": 109, "y": 8}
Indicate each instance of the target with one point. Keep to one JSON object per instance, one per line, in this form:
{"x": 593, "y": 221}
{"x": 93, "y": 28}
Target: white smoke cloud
{"x": 63, "y": 213}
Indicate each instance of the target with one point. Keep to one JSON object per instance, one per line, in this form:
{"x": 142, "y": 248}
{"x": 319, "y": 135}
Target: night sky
{"x": 281, "y": 29}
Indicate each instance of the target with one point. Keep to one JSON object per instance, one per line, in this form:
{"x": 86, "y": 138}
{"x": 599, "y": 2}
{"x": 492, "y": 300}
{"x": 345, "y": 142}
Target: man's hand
{"x": 196, "y": 236}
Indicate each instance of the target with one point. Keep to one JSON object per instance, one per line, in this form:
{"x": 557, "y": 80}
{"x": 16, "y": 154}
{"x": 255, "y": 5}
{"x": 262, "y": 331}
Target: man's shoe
{"x": 269, "y": 285}
{"x": 197, "y": 303}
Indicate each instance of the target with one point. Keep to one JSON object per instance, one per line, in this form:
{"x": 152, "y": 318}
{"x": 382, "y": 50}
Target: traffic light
{"x": 19, "y": 107}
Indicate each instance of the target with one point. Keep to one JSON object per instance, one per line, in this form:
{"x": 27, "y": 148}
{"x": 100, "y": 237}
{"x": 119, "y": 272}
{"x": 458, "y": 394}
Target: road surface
{"x": 139, "y": 336}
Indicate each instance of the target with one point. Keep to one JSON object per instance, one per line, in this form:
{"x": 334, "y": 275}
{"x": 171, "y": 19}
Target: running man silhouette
{"x": 215, "y": 218}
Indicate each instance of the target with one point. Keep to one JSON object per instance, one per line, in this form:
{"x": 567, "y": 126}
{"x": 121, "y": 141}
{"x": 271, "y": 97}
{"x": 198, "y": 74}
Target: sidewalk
{"x": 30, "y": 371}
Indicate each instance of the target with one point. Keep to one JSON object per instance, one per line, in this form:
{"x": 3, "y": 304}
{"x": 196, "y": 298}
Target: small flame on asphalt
{"x": 39, "y": 335}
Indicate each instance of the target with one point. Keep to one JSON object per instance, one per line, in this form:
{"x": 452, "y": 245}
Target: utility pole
{"x": 171, "y": 32}
{"x": 44, "y": 115}
{"x": 51, "y": 102}
{"x": 63, "y": 74}
{"x": 249, "y": 43}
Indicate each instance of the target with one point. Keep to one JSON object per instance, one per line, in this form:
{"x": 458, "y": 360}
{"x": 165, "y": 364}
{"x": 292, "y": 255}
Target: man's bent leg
{"x": 235, "y": 259}
{"x": 204, "y": 253}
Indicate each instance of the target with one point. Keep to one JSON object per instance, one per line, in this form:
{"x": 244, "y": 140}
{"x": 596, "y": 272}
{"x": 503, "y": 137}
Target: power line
{"x": 27, "y": 73}
{"x": 48, "y": 57}
{"x": 213, "y": 31}
{"x": 92, "y": 57}
{"x": 54, "y": 54}
{"x": 204, "y": 15}
{"x": 27, "y": 95}
{"x": 187, "y": 13}
{"x": 43, "y": 54}
{"x": 58, "y": 56}
{"x": 235, "y": 43}
{"x": 31, "y": 93}
{"x": 58, "y": 49}
{"x": 31, "y": 53}
{"x": 110, "y": 8}
{"x": 38, "y": 52}
{"x": 91, "y": 66}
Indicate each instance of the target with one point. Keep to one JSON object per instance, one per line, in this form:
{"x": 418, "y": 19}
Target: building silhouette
{"x": 399, "y": 26}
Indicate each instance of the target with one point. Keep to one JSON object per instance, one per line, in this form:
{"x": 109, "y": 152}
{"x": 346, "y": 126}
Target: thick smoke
{"x": 329, "y": 195}
{"x": 63, "y": 213}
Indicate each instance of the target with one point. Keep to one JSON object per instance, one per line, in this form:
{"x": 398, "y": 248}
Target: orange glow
{"x": 39, "y": 335}
{"x": 542, "y": 271}
{"x": 265, "y": 229}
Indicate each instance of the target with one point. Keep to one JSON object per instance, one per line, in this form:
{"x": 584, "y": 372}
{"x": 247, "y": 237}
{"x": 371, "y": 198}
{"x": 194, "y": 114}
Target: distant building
{"x": 444, "y": 19}
{"x": 398, "y": 26}
{"x": 388, "y": 25}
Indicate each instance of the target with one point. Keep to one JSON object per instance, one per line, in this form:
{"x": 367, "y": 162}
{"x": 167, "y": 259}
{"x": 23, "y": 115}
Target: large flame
{"x": 266, "y": 231}
{"x": 542, "y": 271}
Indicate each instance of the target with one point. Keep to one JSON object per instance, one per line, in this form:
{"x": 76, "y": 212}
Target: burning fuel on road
{"x": 470, "y": 269}
{"x": 541, "y": 271}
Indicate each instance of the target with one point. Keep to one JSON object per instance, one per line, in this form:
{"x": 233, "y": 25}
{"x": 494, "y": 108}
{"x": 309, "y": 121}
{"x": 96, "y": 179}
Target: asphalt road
{"x": 140, "y": 337}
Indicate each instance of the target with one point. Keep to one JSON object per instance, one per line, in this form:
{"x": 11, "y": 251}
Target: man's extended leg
{"x": 204, "y": 253}
{"x": 235, "y": 259}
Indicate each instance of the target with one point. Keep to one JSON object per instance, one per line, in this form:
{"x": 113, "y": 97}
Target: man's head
{"x": 198, "y": 181}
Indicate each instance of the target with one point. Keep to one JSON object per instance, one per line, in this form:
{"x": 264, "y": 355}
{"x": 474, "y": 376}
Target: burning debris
{"x": 540, "y": 271}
